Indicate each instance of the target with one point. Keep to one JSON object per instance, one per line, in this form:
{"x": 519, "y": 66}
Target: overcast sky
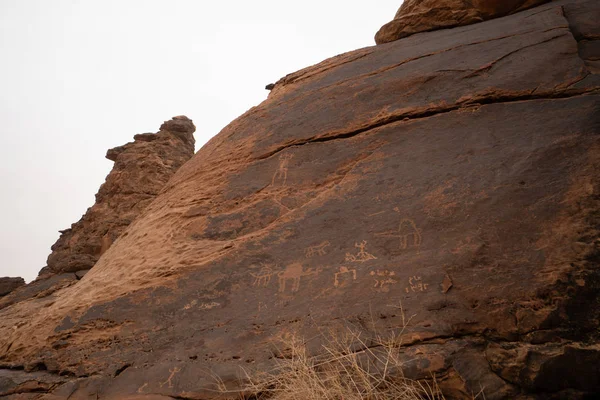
{"x": 78, "y": 77}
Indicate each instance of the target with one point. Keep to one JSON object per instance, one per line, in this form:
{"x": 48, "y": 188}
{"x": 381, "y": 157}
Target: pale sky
{"x": 78, "y": 77}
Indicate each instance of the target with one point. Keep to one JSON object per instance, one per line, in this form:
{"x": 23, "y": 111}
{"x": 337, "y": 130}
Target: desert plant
{"x": 349, "y": 368}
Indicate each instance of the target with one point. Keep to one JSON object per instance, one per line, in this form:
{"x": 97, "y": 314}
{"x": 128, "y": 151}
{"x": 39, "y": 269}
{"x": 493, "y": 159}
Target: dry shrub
{"x": 349, "y": 368}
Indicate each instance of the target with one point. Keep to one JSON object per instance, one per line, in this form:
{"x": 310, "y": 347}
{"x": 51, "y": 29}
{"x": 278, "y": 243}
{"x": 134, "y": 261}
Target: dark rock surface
{"x": 7, "y": 285}
{"x": 449, "y": 178}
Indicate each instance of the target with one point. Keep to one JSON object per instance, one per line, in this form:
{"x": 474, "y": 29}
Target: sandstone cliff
{"x": 141, "y": 170}
{"x": 443, "y": 188}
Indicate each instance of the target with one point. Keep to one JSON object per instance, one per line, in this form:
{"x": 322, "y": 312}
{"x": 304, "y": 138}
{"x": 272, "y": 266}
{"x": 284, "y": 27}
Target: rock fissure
{"x": 477, "y": 99}
{"x": 424, "y": 56}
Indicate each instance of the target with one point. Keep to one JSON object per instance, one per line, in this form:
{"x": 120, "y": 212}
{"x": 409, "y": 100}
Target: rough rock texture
{"x": 451, "y": 175}
{"x": 7, "y": 285}
{"x": 416, "y": 16}
{"x": 141, "y": 170}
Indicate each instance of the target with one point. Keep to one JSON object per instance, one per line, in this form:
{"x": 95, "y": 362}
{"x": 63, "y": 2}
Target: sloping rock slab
{"x": 449, "y": 179}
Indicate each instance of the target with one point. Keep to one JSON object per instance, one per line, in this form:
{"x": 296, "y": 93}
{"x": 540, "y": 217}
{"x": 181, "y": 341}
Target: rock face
{"x": 7, "y": 285}
{"x": 141, "y": 170}
{"x": 416, "y": 16}
{"x": 451, "y": 178}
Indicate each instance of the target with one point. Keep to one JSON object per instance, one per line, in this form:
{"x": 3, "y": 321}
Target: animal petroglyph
{"x": 280, "y": 176}
{"x": 190, "y": 304}
{"x": 342, "y": 275}
{"x": 169, "y": 381}
{"x": 383, "y": 279}
{"x": 292, "y": 272}
{"x": 362, "y": 254}
{"x": 416, "y": 285}
{"x": 263, "y": 276}
{"x": 408, "y": 233}
{"x": 208, "y": 306}
{"x": 318, "y": 250}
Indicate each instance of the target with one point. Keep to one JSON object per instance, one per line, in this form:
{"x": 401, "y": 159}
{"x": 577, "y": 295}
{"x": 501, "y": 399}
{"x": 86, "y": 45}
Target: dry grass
{"x": 348, "y": 368}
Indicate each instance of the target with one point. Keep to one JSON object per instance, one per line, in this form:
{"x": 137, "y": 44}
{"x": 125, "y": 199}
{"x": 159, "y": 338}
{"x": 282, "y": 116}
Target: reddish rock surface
{"x": 141, "y": 170}
{"x": 7, "y": 285}
{"x": 450, "y": 177}
{"x": 416, "y": 16}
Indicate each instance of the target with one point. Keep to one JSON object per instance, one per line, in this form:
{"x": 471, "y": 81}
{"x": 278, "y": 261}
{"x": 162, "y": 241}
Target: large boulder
{"x": 416, "y": 16}
{"x": 442, "y": 188}
{"x": 7, "y": 285}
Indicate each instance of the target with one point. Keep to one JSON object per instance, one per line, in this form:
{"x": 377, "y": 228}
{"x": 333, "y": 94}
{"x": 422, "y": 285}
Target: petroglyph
{"x": 262, "y": 306}
{"x": 416, "y": 285}
{"x": 318, "y": 250}
{"x": 208, "y": 306}
{"x": 190, "y": 304}
{"x": 408, "y": 233}
{"x": 293, "y": 272}
{"x": 343, "y": 275}
{"x": 141, "y": 388}
{"x": 362, "y": 254}
{"x": 280, "y": 175}
{"x": 169, "y": 381}
{"x": 383, "y": 279}
{"x": 263, "y": 276}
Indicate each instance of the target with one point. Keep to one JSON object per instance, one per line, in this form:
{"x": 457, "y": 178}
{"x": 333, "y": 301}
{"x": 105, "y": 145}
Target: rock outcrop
{"x": 416, "y": 16}
{"x": 141, "y": 170}
{"x": 7, "y": 285}
{"x": 443, "y": 188}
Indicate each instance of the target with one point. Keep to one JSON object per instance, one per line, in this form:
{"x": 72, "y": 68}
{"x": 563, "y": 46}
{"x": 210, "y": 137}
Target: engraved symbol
{"x": 362, "y": 255}
{"x": 190, "y": 304}
{"x": 141, "y": 388}
{"x": 383, "y": 279}
{"x": 292, "y": 272}
{"x": 408, "y": 233}
{"x": 416, "y": 284}
{"x": 169, "y": 381}
{"x": 281, "y": 173}
{"x": 318, "y": 250}
{"x": 344, "y": 271}
{"x": 208, "y": 306}
{"x": 263, "y": 277}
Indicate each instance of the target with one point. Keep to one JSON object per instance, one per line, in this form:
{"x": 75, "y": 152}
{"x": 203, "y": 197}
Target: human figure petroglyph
{"x": 263, "y": 277}
{"x": 362, "y": 254}
{"x": 408, "y": 233}
{"x": 281, "y": 173}
{"x": 343, "y": 271}
{"x": 318, "y": 250}
{"x": 416, "y": 285}
{"x": 292, "y": 272}
{"x": 169, "y": 381}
